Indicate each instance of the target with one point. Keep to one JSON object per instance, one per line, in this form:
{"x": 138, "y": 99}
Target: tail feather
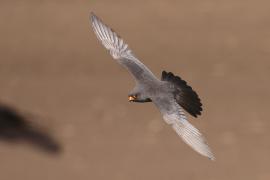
{"x": 184, "y": 95}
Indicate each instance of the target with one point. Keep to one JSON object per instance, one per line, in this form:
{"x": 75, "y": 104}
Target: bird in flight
{"x": 171, "y": 95}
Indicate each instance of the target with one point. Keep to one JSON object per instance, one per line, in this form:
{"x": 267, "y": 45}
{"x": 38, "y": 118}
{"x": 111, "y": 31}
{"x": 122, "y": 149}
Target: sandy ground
{"x": 53, "y": 70}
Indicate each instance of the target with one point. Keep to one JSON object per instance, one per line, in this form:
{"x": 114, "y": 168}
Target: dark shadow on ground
{"x": 15, "y": 128}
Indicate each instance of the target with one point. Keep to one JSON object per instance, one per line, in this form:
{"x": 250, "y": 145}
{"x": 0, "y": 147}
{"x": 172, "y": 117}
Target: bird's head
{"x": 138, "y": 98}
{"x": 132, "y": 98}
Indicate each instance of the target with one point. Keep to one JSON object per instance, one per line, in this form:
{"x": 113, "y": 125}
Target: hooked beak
{"x": 131, "y": 98}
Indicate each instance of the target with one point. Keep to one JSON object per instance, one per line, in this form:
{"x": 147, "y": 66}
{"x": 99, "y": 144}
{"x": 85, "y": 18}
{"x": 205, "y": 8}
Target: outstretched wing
{"x": 120, "y": 50}
{"x": 174, "y": 115}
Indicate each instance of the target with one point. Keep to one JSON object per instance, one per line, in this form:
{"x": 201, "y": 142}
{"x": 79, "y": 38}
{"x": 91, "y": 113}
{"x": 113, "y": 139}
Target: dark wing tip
{"x": 93, "y": 17}
{"x": 185, "y": 96}
{"x": 92, "y": 14}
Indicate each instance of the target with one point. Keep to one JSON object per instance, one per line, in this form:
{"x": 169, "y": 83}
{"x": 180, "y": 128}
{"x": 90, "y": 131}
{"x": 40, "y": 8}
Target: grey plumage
{"x": 168, "y": 94}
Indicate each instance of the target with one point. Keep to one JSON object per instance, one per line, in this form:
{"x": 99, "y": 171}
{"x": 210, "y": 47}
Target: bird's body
{"x": 170, "y": 94}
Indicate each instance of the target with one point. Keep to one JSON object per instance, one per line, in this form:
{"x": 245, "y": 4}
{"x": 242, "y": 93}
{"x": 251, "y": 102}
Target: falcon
{"x": 170, "y": 94}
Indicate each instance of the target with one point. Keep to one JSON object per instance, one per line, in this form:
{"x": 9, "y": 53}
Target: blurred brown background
{"x": 53, "y": 67}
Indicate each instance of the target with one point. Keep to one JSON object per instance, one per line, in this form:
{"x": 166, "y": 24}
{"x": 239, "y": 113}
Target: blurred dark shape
{"x": 15, "y": 128}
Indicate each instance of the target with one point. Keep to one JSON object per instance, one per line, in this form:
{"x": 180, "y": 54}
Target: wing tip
{"x": 210, "y": 155}
{"x": 93, "y": 17}
{"x": 192, "y": 136}
{"x": 212, "y": 158}
{"x": 207, "y": 152}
